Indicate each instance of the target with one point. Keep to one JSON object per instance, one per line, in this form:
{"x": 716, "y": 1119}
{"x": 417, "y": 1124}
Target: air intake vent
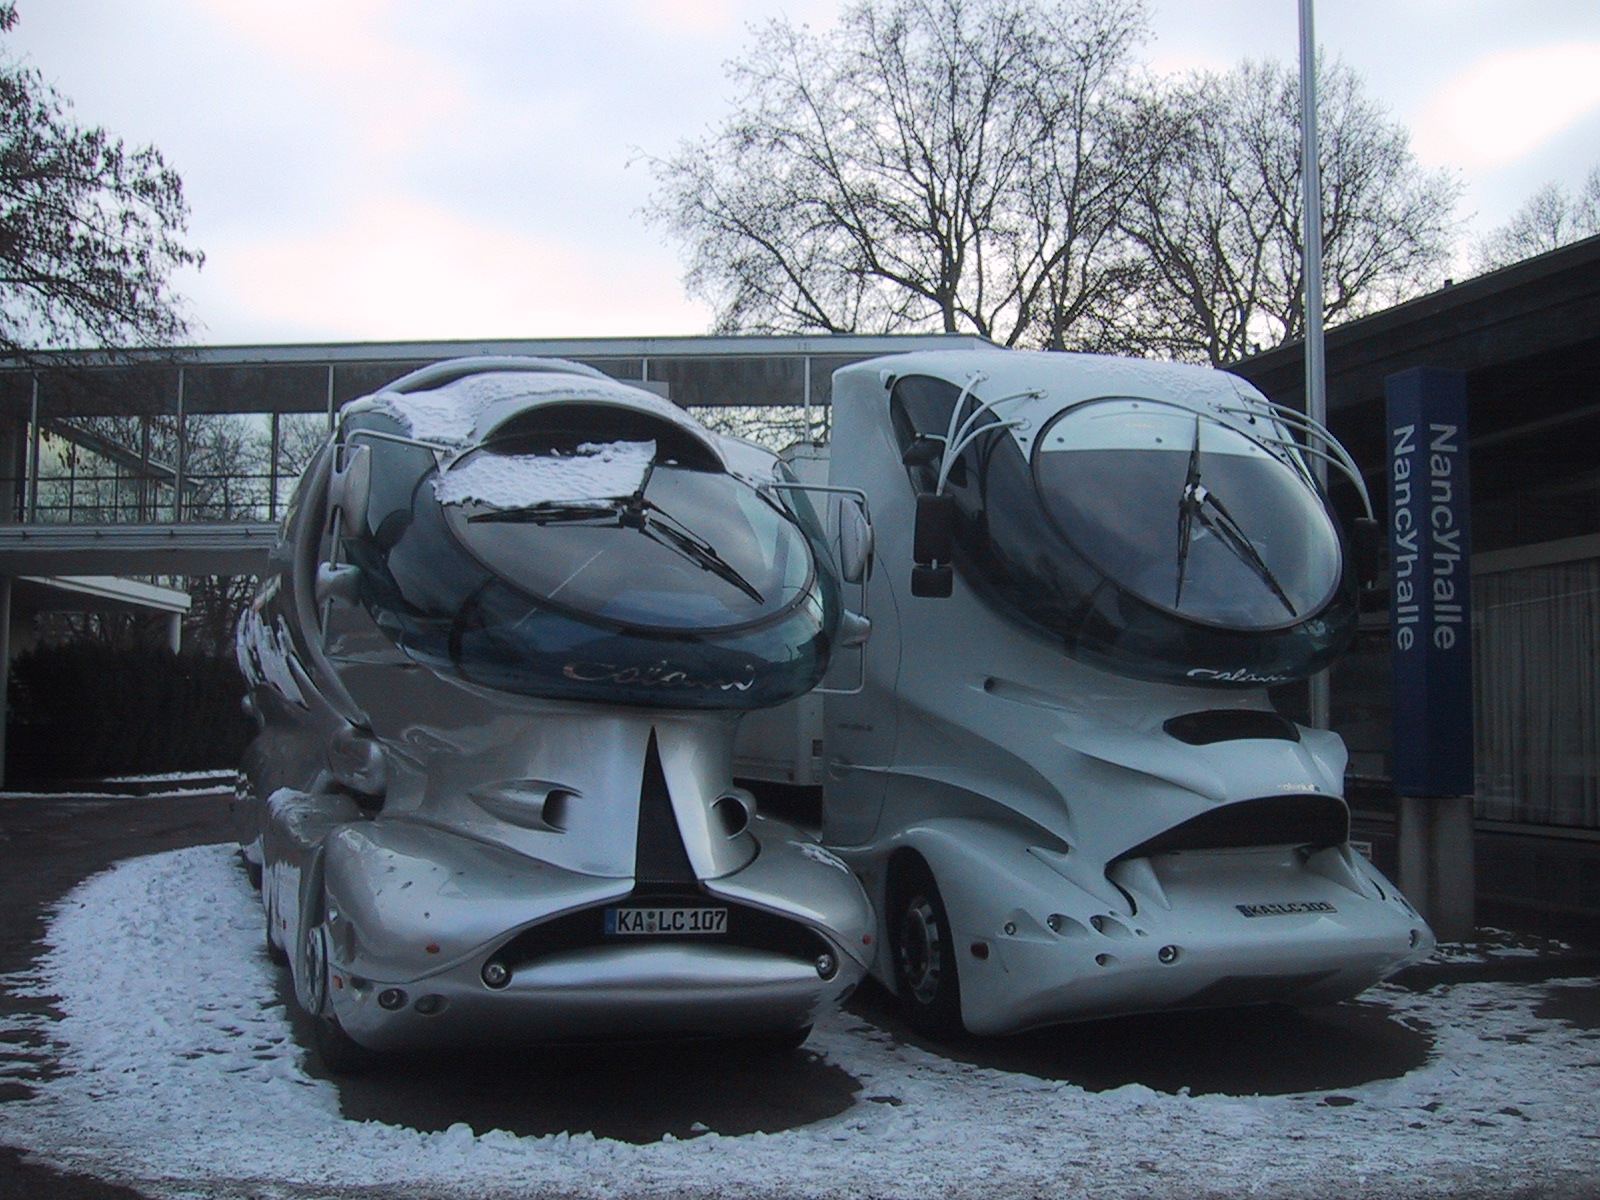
{"x": 1267, "y": 821}
{"x": 1230, "y": 725}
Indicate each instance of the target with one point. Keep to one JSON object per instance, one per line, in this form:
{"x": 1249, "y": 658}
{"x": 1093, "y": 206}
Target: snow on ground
{"x": 179, "y": 1076}
{"x": 160, "y": 794}
{"x": 174, "y": 776}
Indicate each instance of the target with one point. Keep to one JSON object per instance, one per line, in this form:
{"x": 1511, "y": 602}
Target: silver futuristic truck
{"x": 515, "y": 613}
{"x": 1060, "y": 776}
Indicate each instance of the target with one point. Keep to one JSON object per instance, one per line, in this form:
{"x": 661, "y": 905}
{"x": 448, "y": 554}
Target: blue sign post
{"x": 1430, "y": 615}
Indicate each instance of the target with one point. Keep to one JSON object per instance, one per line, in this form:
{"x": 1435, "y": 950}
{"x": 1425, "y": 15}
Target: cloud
{"x": 695, "y": 18}
{"x": 1507, "y": 105}
{"x": 400, "y": 268}
{"x": 395, "y": 94}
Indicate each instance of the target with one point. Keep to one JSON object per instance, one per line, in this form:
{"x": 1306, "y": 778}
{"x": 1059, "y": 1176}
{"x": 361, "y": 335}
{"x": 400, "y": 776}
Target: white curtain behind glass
{"x": 1536, "y": 663}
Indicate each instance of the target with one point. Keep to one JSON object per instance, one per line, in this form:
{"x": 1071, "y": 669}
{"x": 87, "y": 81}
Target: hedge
{"x": 85, "y": 710}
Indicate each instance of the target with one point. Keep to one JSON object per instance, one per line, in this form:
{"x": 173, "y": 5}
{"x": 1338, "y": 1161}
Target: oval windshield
{"x": 691, "y": 550}
{"x": 1187, "y": 513}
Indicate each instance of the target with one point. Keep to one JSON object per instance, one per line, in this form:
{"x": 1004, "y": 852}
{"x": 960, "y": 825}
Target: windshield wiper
{"x": 549, "y": 512}
{"x": 1235, "y": 539}
{"x": 1186, "y": 511}
{"x": 694, "y": 548}
{"x": 1193, "y": 504}
{"x": 633, "y": 513}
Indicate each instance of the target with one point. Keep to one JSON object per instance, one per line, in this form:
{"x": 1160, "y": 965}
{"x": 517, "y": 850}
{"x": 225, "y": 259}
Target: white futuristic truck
{"x": 1054, "y": 765}
{"x": 515, "y": 614}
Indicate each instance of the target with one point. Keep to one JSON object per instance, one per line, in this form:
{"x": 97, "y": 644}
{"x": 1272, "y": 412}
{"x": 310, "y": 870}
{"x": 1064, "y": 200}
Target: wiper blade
{"x": 695, "y": 549}
{"x": 1193, "y": 504}
{"x": 1187, "y": 507}
{"x": 551, "y": 513}
{"x": 1234, "y": 538}
{"x": 636, "y": 512}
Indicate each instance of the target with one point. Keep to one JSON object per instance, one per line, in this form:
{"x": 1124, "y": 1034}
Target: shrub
{"x": 86, "y": 710}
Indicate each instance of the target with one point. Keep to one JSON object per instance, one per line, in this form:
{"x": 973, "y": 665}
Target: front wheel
{"x": 924, "y": 954}
{"x": 341, "y": 1054}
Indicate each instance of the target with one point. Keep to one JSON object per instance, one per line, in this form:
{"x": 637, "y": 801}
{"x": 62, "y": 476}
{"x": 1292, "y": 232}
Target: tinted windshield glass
{"x": 1188, "y": 514}
{"x": 694, "y": 550}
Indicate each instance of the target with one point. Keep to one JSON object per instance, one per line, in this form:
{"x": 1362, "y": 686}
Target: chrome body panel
{"x": 600, "y": 994}
{"x": 414, "y": 823}
{"x": 1069, "y": 941}
{"x": 1033, "y": 783}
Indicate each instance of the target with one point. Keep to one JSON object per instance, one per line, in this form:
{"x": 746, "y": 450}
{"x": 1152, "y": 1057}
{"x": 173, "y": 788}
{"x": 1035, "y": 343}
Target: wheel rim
{"x": 920, "y": 953}
{"x": 316, "y": 965}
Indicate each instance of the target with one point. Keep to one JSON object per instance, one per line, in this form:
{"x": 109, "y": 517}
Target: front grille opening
{"x": 751, "y": 928}
{"x": 1230, "y": 725}
{"x": 1266, "y": 821}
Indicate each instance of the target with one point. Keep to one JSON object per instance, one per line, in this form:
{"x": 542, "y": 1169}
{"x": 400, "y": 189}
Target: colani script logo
{"x": 659, "y": 674}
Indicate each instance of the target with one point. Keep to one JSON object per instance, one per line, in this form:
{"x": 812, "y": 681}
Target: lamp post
{"x": 1311, "y": 269}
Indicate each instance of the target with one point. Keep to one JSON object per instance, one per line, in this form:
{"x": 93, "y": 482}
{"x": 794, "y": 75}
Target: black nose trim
{"x": 660, "y": 856}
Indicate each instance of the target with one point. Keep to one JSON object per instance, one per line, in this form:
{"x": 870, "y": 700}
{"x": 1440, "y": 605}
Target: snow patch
{"x": 179, "y": 1076}
{"x": 595, "y": 474}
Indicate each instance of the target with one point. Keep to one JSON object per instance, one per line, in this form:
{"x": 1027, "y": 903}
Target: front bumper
{"x": 415, "y": 914}
{"x": 598, "y": 993}
{"x": 1195, "y": 929}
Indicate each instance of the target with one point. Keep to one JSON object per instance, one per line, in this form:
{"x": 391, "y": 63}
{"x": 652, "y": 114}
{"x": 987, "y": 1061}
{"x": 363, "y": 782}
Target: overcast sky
{"x": 395, "y": 169}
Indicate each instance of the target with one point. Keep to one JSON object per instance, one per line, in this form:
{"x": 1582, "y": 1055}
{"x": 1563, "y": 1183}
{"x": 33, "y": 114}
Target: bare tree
{"x": 1221, "y": 223}
{"x": 953, "y": 165}
{"x": 89, "y": 229}
{"x": 1548, "y": 220}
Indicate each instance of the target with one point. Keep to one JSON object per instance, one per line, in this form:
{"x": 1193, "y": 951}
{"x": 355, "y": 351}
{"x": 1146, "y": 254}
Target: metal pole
{"x": 272, "y": 470}
{"x": 5, "y": 666}
{"x": 182, "y": 456}
{"x": 1311, "y": 262}
{"x": 33, "y": 453}
{"x": 808, "y": 438}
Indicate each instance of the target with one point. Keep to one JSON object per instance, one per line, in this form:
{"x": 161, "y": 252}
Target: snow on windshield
{"x": 449, "y": 415}
{"x": 595, "y": 474}
{"x": 178, "y": 1074}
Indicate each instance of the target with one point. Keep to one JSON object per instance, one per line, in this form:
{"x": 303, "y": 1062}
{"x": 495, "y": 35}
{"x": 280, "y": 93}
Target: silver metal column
{"x": 1437, "y": 864}
{"x": 1311, "y": 263}
{"x": 5, "y": 666}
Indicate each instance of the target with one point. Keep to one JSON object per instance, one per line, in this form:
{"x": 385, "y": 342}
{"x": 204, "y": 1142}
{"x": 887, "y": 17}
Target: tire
{"x": 270, "y": 915}
{"x": 340, "y": 1053}
{"x": 252, "y": 870}
{"x": 925, "y": 970}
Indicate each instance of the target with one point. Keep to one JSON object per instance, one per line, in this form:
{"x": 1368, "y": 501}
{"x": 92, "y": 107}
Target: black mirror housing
{"x": 1366, "y": 545}
{"x": 933, "y": 583}
{"x": 933, "y": 542}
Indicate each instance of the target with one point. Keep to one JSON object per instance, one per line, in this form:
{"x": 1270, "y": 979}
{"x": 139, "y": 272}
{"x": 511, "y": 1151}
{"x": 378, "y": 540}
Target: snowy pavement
{"x": 177, "y": 1073}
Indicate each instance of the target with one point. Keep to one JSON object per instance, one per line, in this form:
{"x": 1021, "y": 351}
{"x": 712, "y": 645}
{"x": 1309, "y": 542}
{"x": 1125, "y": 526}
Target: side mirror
{"x": 1366, "y": 547}
{"x": 855, "y": 541}
{"x": 932, "y": 542}
{"x": 341, "y": 584}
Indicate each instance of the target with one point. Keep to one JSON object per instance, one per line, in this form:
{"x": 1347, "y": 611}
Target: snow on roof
{"x": 595, "y": 474}
{"x": 464, "y": 411}
{"x": 179, "y": 1076}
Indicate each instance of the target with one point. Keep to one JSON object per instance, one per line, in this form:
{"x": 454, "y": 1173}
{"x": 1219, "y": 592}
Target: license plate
{"x": 659, "y": 922}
